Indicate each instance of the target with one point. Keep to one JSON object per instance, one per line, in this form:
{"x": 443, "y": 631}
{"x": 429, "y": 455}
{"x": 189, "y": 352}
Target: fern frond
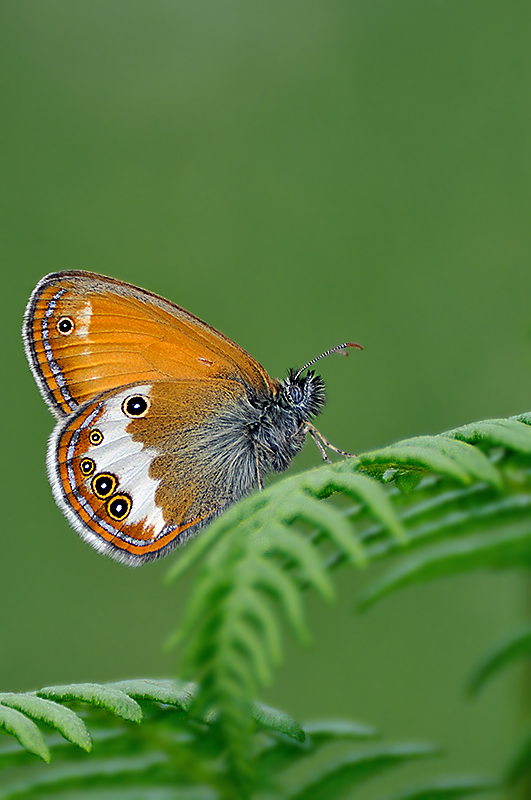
{"x": 68, "y": 724}
{"x": 512, "y": 648}
{"x": 98, "y": 696}
{"x": 276, "y": 753}
{"x": 349, "y": 770}
{"x": 172, "y": 750}
{"x": 169, "y": 691}
{"x": 96, "y": 773}
{"x": 510, "y": 546}
{"x": 442, "y": 455}
{"x": 25, "y": 730}
{"x": 477, "y": 527}
{"x": 459, "y": 500}
{"x": 448, "y": 789}
{"x": 256, "y": 560}
{"x": 325, "y": 731}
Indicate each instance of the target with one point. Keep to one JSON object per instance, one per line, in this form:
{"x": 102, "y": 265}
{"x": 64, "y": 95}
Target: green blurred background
{"x": 297, "y": 174}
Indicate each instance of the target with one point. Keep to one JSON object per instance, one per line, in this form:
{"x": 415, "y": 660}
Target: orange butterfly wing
{"x": 86, "y": 334}
{"x": 162, "y": 476}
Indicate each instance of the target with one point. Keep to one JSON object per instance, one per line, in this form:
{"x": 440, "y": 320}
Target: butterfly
{"x": 163, "y": 422}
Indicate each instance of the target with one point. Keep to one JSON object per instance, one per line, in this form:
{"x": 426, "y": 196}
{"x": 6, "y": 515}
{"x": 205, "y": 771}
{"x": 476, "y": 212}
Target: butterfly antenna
{"x": 341, "y": 348}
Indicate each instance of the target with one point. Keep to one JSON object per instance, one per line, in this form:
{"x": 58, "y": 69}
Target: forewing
{"x": 86, "y": 334}
{"x": 140, "y": 469}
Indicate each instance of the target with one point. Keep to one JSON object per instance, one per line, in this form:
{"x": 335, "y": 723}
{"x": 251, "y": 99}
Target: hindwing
{"x": 140, "y": 469}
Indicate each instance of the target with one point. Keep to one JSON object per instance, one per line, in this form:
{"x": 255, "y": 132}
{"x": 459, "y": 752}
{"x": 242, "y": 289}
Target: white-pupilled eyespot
{"x": 136, "y": 406}
{"x": 119, "y": 506}
{"x": 95, "y": 437}
{"x": 87, "y": 466}
{"x": 65, "y": 326}
{"x": 104, "y": 484}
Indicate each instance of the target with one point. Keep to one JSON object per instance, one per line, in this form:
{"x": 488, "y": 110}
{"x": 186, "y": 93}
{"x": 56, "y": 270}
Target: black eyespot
{"x": 136, "y": 406}
{"x": 95, "y": 437}
{"x": 87, "y": 466}
{"x": 103, "y": 485}
{"x": 65, "y": 326}
{"x": 119, "y": 507}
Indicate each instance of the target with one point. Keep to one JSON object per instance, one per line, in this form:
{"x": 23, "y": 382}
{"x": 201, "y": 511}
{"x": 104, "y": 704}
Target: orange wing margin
{"x": 121, "y": 334}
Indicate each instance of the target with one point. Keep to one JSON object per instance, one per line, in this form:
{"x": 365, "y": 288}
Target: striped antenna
{"x": 341, "y": 348}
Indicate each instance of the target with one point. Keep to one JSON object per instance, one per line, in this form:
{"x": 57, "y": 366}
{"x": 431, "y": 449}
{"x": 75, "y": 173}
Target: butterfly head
{"x": 304, "y": 395}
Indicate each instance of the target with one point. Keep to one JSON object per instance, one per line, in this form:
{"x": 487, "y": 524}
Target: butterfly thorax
{"x": 241, "y": 442}
{"x": 278, "y": 430}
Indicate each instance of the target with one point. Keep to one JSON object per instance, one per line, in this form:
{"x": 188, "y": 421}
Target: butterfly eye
{"x": 119, "y": 507}
{"x": 103, "y": 485}
{"x": 136, "y": 406}
{"x": 296, "y": 393}
{"x": 95, "y": 437}
{"x": 87, "y": 466}
{"x": 65, "y": 326}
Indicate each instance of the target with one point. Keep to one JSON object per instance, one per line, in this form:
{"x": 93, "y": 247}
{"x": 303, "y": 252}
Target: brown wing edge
{"x": 29, "y": 345}
{"x": 117, "y": 552}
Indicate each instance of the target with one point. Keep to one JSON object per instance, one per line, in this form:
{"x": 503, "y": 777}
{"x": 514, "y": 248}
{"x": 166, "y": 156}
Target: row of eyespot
{"x": 103, "y": 485}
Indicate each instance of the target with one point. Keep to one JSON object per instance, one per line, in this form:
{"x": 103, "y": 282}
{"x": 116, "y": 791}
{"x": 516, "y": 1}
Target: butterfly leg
{"x": 258, "y": 476}
{"x": 323, "y": 444}
{"x": 319, "y": 445}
